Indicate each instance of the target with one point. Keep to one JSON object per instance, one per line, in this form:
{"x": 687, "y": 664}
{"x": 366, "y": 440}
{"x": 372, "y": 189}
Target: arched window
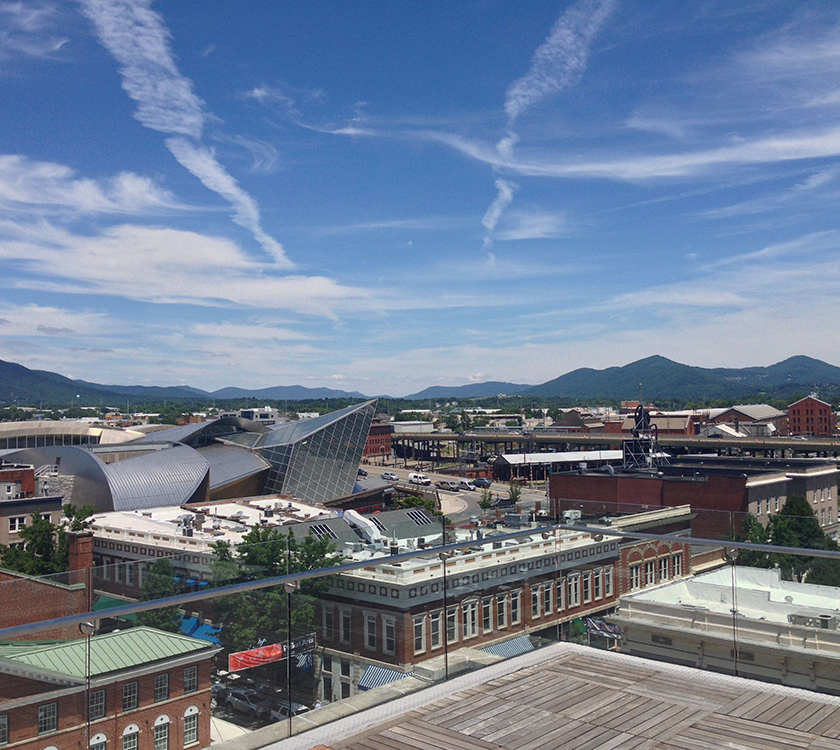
{"x": 191, "y": 726}
{"x": 98, "y": 742}
{"x": 131, "y": 737}
{"x": 161, "y": 733}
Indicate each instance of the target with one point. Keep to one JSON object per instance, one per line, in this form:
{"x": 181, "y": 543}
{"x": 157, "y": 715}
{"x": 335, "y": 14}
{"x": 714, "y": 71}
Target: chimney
{"x": 81, "y": 550}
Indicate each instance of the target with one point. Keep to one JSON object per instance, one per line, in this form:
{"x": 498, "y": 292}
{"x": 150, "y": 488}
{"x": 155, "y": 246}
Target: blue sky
{"x": 384, "y": 196}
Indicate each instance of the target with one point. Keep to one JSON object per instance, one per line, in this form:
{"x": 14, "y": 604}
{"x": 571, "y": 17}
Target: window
{"x": 161, "y": 736}
{"x": 131, "y": 740}
{"x": 161, "y": 687}
{"x": 822, "y": 516}
{"x": 345, "y": 689}
{"x": 370, "y": 631}
{"x": 776, "y": 504}
{"x": 515, "y": 608}
{"x": 547, "y": 598}
{"x": 501, "y": 612}
{"x": 608, "y": 582}
{"x": 329, "y": 623}
{"x": 191, "y": 726}
{"x": 344, "y": 667}
{"x": 16, "y": 523}
{"x": 345, "y": 626}
{"x": 596, "y": 584}
{"x": 574, "y": 591}
{"x": 4, "y": 729}
{"x": 328, "y": 687}
{"x": 419, "y": 634}
{"x": 434, "y": 629}
{"x": 829, "y": 515}
{"x": 326, "y": 664}
{"x": 535, "y": 602}
{"x": 677, "y": 563}
{"x": 452, "y": 625}
{"x": 561, "y": 594}
{"x": 470, "y": 619}
{"x": 663, "y": 568}
{"x": 48, "y": 718}
{"x": 191, "y": 679}
{"x": 98, "y": 742}
{"x": 635, "y": 576}
{"x": 129, "y": 696}
{"x": 96, "y": 704}
{"x": 129, "y": 574}
{"x": 650, "y": 573}
{"x": 587, "y": 587}
{"x": 487, "y": 615}
{"x": 389, "y": 635}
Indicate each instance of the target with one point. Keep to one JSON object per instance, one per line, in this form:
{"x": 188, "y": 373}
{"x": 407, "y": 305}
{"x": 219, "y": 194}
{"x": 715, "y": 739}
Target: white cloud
{"x": 28, "y": 29}
{"x": 245, "y": 332}
{"x": 137, "y": 38}
{"x": 46, "y": 185}
{"x": 533, "y": 225}
{"x": 43, "y": 320}
{"x": 497, "y": 207}
{"x": 202, "y": 163}
{"x": 560, "y": 61}
{"x": 157, "y": 264}
{"x": 265, "y": 157}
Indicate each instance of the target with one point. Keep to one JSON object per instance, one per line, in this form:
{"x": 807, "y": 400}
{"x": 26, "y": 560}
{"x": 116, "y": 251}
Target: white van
{"x": 466, "y": 484}
{"x": 419, "y": 478}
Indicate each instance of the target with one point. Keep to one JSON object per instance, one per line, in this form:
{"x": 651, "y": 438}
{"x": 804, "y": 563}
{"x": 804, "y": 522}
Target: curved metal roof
{"x": 291, "y": 432}
{"x": 188, "y": 433}
{"x": 164, "y": 477}
{"x": 45, "y": 427}
{"x": 229, "y": 464}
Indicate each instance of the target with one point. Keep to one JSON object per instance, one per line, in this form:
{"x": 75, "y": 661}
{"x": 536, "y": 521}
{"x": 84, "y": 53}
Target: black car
{"x": 482, "y": 483}
{"x": 361, "y": 473}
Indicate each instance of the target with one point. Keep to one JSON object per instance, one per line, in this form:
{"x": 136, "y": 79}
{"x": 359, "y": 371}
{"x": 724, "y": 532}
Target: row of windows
{"x": 48, "y": 722}
{"x": 668, "y": 567}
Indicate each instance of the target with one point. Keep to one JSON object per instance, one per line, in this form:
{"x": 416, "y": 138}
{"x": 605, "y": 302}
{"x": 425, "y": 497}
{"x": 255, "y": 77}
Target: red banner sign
{"x": 255, "y": 657}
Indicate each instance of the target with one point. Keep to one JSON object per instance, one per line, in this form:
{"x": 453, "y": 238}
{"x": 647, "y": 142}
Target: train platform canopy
{"x": 562, "y": 457}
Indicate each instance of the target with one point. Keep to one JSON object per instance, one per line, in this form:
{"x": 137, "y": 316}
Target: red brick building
{"x": 810, "y": 416}
{"x": 146, "y": 686}
{"x": 379, "y": 440}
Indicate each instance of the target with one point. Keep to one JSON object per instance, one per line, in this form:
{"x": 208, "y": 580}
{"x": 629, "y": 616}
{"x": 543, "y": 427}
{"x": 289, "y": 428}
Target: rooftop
{"x": 572, "y": 698}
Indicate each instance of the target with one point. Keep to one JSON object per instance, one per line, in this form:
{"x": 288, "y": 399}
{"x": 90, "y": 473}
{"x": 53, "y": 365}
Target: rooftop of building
{"x": 113, "y": 652}
{"x": 568, "y": 696}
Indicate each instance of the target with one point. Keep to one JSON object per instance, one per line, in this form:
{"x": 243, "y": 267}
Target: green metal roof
{"x": 108, "y": 653}
{"x": 109, "y": 602}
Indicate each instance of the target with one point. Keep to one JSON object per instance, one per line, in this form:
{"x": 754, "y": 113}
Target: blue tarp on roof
{"x": 374, "y": 677}
{"x": 513, "y": 647}
{"x": 194, "y": 628}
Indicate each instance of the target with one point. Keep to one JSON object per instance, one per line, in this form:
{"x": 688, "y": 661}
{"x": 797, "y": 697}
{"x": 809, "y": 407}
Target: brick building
{"x": 811, "y": 417}
{"x": 148, "y": 689}
{"x": 379, "y": 440}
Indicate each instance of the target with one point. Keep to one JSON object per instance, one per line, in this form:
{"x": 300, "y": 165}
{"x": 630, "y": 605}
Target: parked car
{"x": 482, "y": 483}
{"x": 466, "y": 484}
{"x": 248, "y": 703}
{"x": 416, "y": 478}
{"x": 447, "y": 484}
{"x": 219, "y": 693}
{"x": 389, "y": 476}
{"x": 281, "y": 712}
{"x": 361, "y": 473}
{"x": 502, "y": 502}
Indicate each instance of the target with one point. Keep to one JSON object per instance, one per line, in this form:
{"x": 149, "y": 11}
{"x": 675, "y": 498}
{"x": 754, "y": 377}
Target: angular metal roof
{"x": 189, "y": 432}
{"x": 291, "y": 432}
{"x": 164, "y": 477}
{"x": 112, "y": 652}
{"x": 229, "y": 464}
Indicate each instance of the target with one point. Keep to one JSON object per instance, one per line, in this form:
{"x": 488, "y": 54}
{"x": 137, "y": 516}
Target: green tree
{"x": 514, "y": 492}
{"x": 159, "y": 584}
{"x": 485, "y": 501}
{"x": 415, "y": 501}
{"x": 78, "y": 519}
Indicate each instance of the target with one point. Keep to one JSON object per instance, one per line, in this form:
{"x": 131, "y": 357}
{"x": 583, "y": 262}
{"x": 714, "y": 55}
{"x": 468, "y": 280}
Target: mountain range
{"x": 657, "y": 378}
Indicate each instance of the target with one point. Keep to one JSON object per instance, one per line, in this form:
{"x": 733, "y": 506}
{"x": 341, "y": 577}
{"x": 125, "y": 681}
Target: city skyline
{"x": 383, "y": 198}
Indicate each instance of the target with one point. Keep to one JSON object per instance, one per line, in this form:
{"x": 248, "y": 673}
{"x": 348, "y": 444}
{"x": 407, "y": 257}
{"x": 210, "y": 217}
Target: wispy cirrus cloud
{"x": 503, "y": 200}
{"x": 29, "y": 29}
{"x": 139, "y": 41}
{"x": 27, "y": 185}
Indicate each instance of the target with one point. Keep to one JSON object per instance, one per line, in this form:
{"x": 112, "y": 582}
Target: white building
{"x": 785, "y": 631}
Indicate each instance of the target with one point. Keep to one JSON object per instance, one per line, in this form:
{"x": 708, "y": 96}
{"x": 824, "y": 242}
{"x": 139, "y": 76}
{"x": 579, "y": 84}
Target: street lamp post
{"x": 444, "y": 556}
{"x": 289, "y": 588}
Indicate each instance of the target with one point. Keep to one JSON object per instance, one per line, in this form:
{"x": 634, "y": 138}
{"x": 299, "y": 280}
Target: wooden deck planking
{"x": 582, "y": 703}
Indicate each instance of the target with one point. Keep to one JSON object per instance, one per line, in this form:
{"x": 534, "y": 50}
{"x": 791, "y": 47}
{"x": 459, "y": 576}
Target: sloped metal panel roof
{"x": 228, "y": 464}
{"x": 292, "y": 432}
{"x": 189, "y": 432}
{"x": 108, "y": 653}
{"x": 166, "y": 477}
